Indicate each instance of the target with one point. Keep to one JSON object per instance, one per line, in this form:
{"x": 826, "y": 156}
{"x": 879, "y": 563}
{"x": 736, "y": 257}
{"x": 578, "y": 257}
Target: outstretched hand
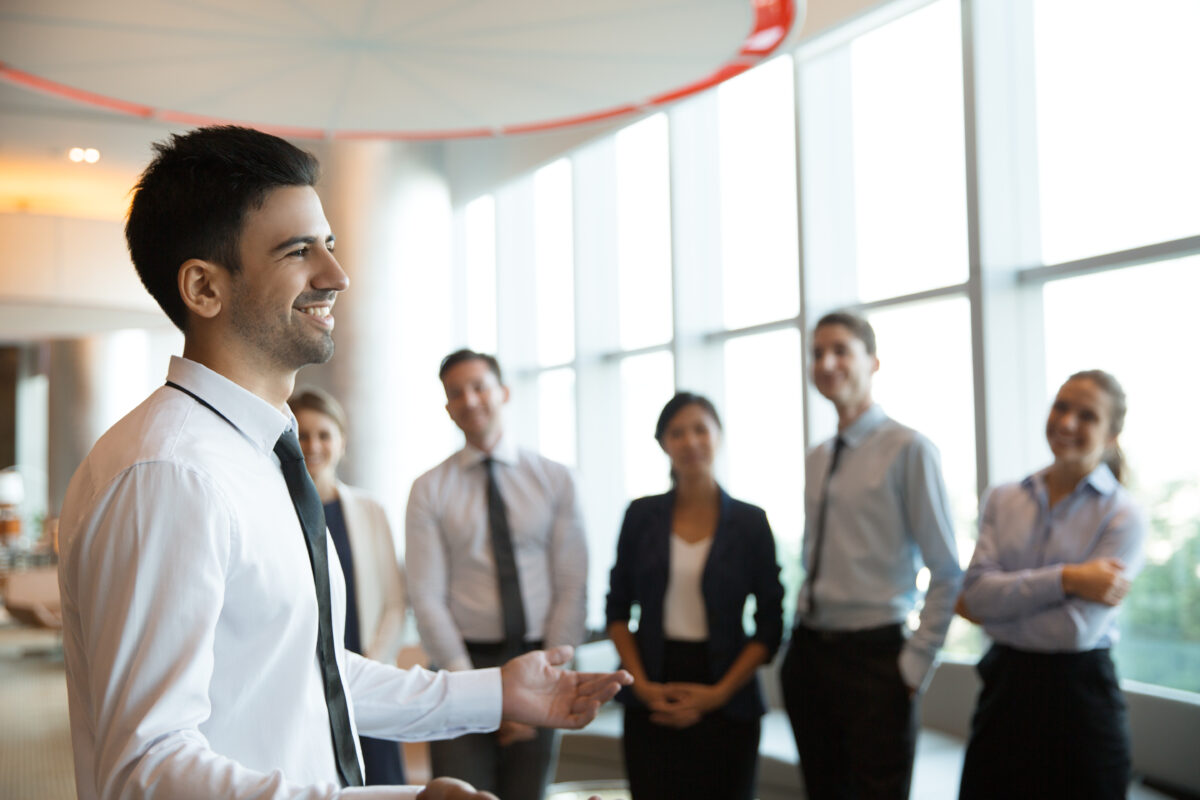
{"x": 537, "y": 692}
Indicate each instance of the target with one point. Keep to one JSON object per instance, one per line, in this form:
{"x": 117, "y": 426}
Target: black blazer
{"x": 740, "y": 563}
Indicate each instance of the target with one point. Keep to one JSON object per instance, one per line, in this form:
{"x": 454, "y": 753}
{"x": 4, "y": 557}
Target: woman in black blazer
{"x": 689, "y": 559}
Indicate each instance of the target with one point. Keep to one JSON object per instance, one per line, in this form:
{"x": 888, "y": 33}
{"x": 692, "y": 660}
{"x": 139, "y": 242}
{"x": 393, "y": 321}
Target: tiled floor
{"x": 35, "y": 745}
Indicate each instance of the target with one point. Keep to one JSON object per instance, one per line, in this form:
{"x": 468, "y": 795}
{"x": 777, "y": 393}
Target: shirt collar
{"x": 504, "y": 452}
{"x": 1100, "y": 480}
{"x": 858, "y": 430}
{"x": 257, "y": 419}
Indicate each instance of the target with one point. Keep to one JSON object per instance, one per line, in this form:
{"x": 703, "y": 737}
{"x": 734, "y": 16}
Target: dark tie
{"x": 838, "y": 444}
{"x": 312, "y": 520}
{"x": 506, "y": 565}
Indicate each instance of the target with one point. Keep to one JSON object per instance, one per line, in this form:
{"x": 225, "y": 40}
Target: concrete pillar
{"x": 389, "y": 207}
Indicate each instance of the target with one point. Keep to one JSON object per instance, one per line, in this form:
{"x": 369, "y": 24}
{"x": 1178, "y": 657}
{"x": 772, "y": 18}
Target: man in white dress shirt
{"x": 455, "y": 573}
{"x": 190, "y": 620}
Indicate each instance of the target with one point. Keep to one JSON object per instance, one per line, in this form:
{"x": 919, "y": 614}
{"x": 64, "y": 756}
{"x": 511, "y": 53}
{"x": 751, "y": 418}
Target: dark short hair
{"x": 858, "y": 326}
{"x": 192, "y": 200}
{"x": 676, "y": 404}
{"x": 311, "y": 398}
{"x": 459, "y": 356}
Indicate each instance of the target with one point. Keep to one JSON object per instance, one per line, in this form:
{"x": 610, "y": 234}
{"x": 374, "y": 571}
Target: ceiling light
{"x": 89, "y": 154}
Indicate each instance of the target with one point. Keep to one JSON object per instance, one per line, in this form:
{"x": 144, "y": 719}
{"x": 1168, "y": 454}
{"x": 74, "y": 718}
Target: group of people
{"x": 214, "y": 648}
{"x": 1055, "y": 557}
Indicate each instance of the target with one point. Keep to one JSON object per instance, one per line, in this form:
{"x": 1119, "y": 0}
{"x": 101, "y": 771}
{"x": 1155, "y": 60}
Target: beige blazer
{"x": 378, "y": 575}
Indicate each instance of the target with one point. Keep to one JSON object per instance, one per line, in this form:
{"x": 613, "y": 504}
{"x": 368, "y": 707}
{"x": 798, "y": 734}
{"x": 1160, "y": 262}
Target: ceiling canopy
{"x": 372, "y": 69}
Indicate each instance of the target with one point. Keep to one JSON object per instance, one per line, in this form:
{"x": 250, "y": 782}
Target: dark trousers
{"x": 518, "y": 771}
{"x": 382, "y": 762}
{"x": 854, "y": 722}
{"x": 1047, "y": 725}
{"x": 715, "y": 759}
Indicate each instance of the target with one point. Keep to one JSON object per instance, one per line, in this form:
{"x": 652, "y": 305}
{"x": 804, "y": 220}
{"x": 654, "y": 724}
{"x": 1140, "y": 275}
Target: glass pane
{"x": 644, "y": 233}
{"x": 909, "y": 162}
{"x": 1117, "y": 124}
{"x": 556, "y": 415}
{"x": 756, "y": 119}
{"x": 481, "y": 274}
{"x": 554, "y": 263}
{"x": 647, "y": 383}
{"x": 925, "y": 381}
{"x": 765, "y": 451}
{"x": 1160, "y": 636}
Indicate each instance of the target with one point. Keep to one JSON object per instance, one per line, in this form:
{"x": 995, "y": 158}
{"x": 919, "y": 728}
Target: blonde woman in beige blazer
{"x": 358, "y": 526}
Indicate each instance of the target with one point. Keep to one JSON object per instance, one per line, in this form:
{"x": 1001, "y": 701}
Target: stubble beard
{"x": 283, "y": 342}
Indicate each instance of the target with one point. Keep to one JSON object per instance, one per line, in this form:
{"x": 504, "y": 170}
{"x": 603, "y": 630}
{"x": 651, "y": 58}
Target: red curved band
{"x": 773, "y": 20}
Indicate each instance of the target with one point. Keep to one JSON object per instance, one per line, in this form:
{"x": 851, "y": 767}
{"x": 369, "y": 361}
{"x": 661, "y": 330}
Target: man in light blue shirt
{"x": 875, "y": 512}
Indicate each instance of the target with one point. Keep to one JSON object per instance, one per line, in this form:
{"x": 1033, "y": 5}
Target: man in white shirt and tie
{"x": 497, "y": 564}
{"x": 199, "y": 622}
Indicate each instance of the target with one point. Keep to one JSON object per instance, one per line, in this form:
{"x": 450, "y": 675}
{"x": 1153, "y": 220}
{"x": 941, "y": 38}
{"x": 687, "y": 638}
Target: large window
{"x": 1117, "y": 124}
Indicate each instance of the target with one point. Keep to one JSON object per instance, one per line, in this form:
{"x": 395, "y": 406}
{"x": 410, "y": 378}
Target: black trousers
{"x": 715, "y": 759}
{"x": 382, "y": 761}
{"x": 854, "y": 722}
{"x": 1047, "y": 725}
{"x": 518, "y": 771}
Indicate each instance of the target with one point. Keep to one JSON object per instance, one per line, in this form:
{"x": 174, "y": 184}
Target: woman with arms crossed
{"x": 1055, "y": 556}
{"x": 375, "y": 606}
{"x": 690, "y": 558}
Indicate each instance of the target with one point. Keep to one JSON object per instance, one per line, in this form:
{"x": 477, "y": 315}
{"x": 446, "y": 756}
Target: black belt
{"x": 893, "y": 632}
{"x": 501, "y": 647}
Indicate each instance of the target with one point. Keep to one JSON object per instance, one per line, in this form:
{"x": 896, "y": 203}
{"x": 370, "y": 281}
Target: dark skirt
{"x": 1047, "y": 725}
{"x": 716, "y": 758}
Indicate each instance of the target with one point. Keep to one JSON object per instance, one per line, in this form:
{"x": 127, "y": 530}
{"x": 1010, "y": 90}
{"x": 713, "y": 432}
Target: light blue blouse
{"x": 1014, "y": 583}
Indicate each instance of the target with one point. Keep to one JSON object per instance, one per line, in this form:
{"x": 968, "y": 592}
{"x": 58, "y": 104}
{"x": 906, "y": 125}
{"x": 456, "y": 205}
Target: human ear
{"x": 202, "y": 287}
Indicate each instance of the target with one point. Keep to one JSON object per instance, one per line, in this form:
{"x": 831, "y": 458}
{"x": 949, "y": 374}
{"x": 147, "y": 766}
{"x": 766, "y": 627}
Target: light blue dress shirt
{"x": 887, "y": 515}
{"x": 1014, "y": 583}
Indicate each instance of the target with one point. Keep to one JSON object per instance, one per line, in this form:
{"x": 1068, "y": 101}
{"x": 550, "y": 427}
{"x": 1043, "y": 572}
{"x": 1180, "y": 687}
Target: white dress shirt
{"x": 190, "y": 619}
{"x": 452, "y": 581}
{"x": 685, "y": 614}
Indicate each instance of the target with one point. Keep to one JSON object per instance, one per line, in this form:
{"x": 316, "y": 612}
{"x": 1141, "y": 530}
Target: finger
{"x": 557, "y": 656}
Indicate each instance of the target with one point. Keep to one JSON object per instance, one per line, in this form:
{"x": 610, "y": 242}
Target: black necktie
{"x": 312, "y": 520}
{"x": 506, "y": 565}
{"x": 838, "y": 444}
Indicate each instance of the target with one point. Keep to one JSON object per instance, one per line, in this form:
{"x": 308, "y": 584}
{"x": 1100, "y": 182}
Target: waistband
{"x": 501, "y": 647}
{"x": 884, "y": 634}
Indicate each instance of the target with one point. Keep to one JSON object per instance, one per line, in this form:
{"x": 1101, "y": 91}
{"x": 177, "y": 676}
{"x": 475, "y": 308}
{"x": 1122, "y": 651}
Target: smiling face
{"x": 690, "y": 441}
{"x": 842, "y": 368}
{"x": 474, "y": 400}
{"x": 283, "y": 295}
{"x": 1079, "y": 428}
{"x": 322, "y": 443}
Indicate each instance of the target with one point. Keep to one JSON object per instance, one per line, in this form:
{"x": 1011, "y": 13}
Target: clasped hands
{"x": 679, "y": 705}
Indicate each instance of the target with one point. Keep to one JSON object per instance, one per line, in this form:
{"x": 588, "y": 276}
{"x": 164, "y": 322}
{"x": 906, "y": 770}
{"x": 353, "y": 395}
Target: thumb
{"x": 560, "y": 655}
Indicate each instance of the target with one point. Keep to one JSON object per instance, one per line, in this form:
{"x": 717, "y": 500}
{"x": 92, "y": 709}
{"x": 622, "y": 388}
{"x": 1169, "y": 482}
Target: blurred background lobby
{"x": 625, "y": 198}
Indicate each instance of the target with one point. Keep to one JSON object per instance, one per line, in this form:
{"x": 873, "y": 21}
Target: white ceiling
{"x": 122, "y": 74}
{"x": 432, "y": 69}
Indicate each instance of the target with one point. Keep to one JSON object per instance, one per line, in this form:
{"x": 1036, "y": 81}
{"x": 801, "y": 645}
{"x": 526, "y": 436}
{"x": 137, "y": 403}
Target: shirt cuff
{"x": 476, "y": 699}
{"x": 915, "y": 667}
